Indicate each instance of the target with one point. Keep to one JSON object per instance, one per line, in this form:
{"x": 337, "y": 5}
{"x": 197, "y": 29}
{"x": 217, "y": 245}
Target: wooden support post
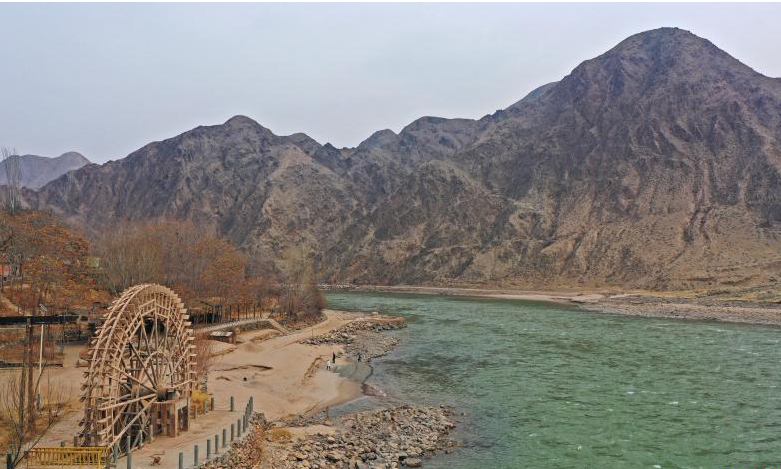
{"x": 224, "y": 440}
{"x": 128, "y": 456}
{"x": 208, "y": 448}
{"x": 181, "y": 460}
{"x": 216, "y": 444}
{"x": 233, "y": 431}
{"x": 231, "y": 404}
{"x": 195, "y": 456}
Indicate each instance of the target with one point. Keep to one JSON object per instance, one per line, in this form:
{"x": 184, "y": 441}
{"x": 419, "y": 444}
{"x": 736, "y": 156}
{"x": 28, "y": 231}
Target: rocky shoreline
{"x": 700, "y": 310}
{"x": 384, "y": 438}
{"x": 378, "y": 439}
{"x": 362, "y": 339}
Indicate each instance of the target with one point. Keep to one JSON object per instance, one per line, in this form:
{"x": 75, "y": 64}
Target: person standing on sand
{"x": 334, "y": 360}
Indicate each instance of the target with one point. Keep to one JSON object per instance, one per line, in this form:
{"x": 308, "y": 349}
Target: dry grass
{"x": 278, "y": 435}
{"x": 199, "y": 400}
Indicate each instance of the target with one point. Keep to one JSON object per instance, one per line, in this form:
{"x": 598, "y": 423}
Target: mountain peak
{"x": 671, "y": 52}
{"x": 379, "y": 138}
{"x": 241, "y": 121}
{"x": 36, "y": 171}
{"x": 73, "y": 157}
{"x": 663, "y": 67}
{"x": 667, "y": 43}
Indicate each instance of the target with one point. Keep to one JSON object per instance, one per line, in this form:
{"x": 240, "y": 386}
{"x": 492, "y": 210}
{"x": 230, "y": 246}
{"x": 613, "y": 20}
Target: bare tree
{"x": 301, "y": 297}
{"x": 23, "y": 431}
{"x": 204, "y": 358}
{"x": 13, "y": 176}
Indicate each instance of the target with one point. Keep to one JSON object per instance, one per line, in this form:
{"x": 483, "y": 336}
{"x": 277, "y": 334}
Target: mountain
{"x": 37, "y": 171}
{"x": 655, "y": 165}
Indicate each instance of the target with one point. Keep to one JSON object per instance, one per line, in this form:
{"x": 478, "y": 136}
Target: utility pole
{"x": 40, "y": 356}
{"x": 22, "y": 421}
{"x": 29, "y": 366}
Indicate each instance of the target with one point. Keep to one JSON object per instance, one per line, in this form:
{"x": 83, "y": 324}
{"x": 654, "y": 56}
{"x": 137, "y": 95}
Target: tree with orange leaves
{"x": 50, "y": 259}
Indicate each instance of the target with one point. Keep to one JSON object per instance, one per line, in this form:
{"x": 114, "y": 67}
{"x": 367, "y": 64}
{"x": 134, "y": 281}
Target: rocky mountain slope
{"x": 654, "y": 165}
{"x": 37, "y": 171}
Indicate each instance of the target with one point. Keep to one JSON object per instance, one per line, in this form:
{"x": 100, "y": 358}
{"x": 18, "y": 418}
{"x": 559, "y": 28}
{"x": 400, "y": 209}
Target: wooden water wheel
{"x": 141, "y": 370}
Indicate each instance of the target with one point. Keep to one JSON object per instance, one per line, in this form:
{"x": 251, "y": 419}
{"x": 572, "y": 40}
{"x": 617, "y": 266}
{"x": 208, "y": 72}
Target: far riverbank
{"x": 676, "y": 305}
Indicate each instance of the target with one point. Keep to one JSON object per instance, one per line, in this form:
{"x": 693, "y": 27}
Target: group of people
{"x": 330, "y": 364}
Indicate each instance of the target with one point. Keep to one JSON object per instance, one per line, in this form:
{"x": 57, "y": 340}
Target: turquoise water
{"x": 545, "y": 386}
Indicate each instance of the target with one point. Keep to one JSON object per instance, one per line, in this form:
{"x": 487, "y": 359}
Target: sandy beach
{"x": 285, "y": 377}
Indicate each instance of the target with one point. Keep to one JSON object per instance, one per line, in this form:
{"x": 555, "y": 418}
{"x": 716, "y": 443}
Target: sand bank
{"x": 676, "y": 305}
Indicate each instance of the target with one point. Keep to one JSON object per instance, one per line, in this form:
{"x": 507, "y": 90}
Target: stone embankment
{"x": 362, "y": 338}
{"x": 245, "y": 453}
{"x": 378, "y": 439}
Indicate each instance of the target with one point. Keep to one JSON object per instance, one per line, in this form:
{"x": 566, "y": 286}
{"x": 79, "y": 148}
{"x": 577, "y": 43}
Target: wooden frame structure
{"x": 141, "y": 371}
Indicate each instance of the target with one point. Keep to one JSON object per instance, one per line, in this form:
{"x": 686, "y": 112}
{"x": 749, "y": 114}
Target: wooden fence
{"x": 70, "y": 457}
{"x": 209, "y": 314}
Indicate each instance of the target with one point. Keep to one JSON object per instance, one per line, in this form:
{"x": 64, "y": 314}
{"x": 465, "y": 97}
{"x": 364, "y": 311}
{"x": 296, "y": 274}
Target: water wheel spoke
{"x": 132, "y": 378}
{"x": 141, "y": 362}
{"x": 132, "y": 400}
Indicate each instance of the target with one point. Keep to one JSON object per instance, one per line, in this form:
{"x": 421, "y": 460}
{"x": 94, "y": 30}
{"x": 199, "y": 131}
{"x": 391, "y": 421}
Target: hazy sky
{"x": 105, "y": 79}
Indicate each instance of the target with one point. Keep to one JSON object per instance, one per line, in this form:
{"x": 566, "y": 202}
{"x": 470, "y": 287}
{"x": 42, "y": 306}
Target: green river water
{"x": 546, "y": 386}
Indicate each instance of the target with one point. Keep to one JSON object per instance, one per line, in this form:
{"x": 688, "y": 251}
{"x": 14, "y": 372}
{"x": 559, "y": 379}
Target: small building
{"x": 223, "y": 336}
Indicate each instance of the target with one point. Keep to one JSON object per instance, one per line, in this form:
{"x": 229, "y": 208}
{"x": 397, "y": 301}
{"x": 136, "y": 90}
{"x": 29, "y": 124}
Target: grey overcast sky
{"x": 105, "y": 79}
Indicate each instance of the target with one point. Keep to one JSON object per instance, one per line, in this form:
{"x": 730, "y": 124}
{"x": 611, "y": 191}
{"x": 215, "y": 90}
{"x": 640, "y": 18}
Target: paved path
{"x": 202, "y": 428}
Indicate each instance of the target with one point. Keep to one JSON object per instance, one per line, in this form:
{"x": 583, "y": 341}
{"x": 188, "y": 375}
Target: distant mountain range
{"x": 37, "y": 171}
{"x": 655, "y": 165}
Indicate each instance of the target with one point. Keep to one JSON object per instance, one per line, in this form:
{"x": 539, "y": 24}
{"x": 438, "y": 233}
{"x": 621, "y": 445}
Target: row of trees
{"x": 192, "y": 261}
{"x": 198, "y": 264}
{"x": 56, "y": 267}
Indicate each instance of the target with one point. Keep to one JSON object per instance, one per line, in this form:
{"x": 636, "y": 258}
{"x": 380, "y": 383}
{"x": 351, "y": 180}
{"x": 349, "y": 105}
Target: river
{"x": 549, "y": 386}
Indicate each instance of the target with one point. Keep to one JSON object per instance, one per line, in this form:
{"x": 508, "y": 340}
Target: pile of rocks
{"x": 346, "y": 334}
{"x": 245, "y": 453}
{"x": 361, "y": 338}
{"x": 378, "y": 439}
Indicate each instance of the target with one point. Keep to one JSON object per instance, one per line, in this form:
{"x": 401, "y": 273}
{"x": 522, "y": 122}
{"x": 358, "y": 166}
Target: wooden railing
{"x": 86, "y": 457}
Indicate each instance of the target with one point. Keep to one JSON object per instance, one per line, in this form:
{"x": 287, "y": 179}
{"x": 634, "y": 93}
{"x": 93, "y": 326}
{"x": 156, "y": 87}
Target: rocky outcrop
{"x": 655, "y": 165}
